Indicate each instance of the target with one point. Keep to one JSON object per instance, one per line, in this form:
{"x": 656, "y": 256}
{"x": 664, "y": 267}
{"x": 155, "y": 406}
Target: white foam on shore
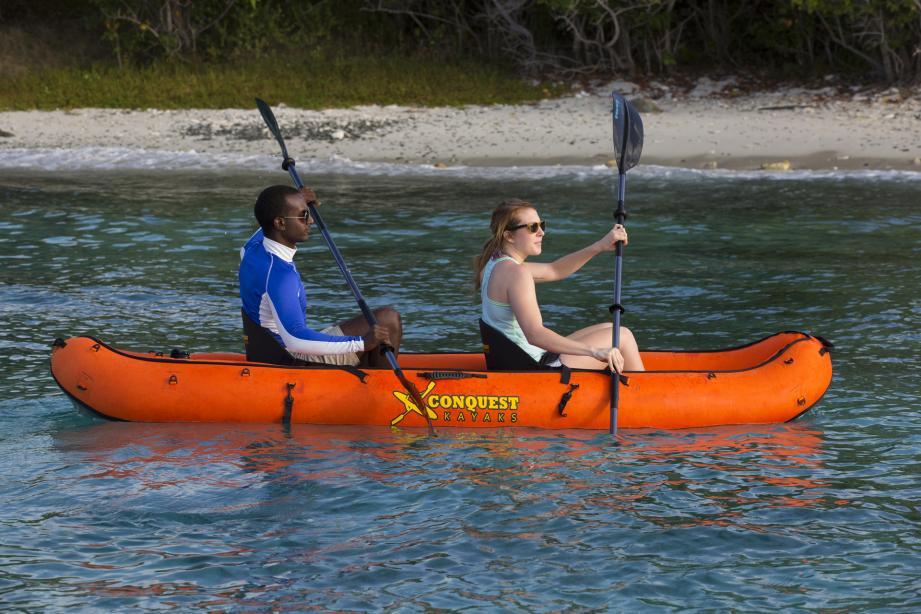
{"x": 127, "y": 159}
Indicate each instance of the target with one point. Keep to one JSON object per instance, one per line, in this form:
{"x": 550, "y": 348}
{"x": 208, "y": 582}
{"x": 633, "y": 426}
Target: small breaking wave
{"x": 128, "y": 159}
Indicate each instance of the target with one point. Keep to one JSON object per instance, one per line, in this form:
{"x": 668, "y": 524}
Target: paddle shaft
{"x": 628, "y": 145}
{"x": 288, "y": 165}
{"x": 620, "y": 215}
{"x": 343, "y": 268}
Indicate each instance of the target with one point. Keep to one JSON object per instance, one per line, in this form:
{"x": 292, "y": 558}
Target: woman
{"x": 506, "y": 285}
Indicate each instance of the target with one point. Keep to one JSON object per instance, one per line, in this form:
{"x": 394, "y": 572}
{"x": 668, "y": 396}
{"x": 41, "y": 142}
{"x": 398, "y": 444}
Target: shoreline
{"x": 705, "y": 128}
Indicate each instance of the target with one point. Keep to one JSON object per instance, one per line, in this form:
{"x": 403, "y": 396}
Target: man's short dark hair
{"x": 271, "y": 204}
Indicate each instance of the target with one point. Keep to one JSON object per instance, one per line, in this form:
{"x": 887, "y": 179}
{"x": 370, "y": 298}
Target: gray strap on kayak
{"x": 565, "y": 375}
{"x": 437, "y": 375}
{"x": 289, "y": 405}
{"x": 565, "y": 399}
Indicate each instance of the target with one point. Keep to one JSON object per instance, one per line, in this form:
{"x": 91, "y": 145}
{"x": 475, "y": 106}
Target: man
{"x": 274, "y": 300}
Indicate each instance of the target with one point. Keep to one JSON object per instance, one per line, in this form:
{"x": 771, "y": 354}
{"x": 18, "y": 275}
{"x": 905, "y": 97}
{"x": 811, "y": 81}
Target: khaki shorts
{"x": 343, "y": 360}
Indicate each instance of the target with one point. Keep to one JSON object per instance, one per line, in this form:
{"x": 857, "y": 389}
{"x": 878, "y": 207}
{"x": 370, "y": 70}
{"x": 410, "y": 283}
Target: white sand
{"x": 812, "y": 129}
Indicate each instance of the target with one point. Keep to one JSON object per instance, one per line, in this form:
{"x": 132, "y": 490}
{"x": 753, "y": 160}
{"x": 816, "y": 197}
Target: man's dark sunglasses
{"x": 304, "y": 218}
{"x": 532, "y": 227}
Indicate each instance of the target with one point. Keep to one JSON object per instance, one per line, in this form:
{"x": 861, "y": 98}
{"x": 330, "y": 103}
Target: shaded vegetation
{"x": 174, "y": 53}
{"x": 798, "y": 38}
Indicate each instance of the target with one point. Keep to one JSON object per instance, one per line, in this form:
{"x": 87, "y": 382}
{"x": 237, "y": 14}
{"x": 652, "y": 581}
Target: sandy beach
{"x": 710, "y": 124}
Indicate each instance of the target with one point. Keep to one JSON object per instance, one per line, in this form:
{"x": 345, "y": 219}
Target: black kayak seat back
{"x": 503, "y": 354}
{"x": 261, "y": 346}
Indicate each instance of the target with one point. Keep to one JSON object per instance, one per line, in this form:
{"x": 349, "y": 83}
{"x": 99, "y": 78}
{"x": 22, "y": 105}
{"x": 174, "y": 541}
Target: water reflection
{"x": 140, "y": 450}
{"x": 724, "y": 470}
{"x": 329, "y": 515}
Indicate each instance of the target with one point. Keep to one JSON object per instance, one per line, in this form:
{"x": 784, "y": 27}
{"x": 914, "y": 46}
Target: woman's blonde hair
{"x": 503, "y": 216}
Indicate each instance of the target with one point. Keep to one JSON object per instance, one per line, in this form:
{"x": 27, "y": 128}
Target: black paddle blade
{"x": 628, "y": 133}
{"x": 272, "y": 124}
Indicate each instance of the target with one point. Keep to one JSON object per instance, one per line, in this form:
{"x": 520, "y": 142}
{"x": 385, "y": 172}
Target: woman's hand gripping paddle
{"x": 628, "y": 145}
{"x": 288, "y": 165}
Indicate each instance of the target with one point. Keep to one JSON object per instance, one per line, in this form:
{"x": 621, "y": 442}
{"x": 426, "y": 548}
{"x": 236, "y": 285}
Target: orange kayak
{"x": 772, "y": 380}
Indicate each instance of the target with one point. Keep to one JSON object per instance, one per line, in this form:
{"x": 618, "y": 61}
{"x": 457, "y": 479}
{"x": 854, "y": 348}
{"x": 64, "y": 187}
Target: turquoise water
{"x": 819, "y": 514}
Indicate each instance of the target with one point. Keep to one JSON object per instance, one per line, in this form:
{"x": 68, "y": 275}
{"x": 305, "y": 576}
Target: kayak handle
{"x": 436, "y": 375}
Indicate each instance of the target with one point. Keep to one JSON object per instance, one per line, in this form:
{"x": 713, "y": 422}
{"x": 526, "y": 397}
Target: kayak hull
{"x": 772, "y": 380}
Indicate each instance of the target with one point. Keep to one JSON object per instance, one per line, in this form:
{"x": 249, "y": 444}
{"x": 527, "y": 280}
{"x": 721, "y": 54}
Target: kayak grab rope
{"x": 361, "y": 375}
{"x": 827, "y": 346}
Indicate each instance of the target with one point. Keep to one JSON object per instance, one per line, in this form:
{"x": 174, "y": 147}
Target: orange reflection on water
{"x": 724, "y": 468}
{"x": 123, "y": 449}
{"x": 722, "y": 472}
{"x": 524, "y": 479}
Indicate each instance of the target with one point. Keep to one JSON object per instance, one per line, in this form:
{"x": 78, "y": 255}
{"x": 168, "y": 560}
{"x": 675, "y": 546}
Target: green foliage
{"x": 145, "y": 31}
{"x": 311, "y": 80}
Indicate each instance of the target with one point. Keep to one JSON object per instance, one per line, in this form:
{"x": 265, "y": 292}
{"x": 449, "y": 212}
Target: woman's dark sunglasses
{"x": 532, "y": 227}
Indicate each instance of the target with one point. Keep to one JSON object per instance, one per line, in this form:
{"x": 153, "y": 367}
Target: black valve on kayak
{"x": 58, "y": 343}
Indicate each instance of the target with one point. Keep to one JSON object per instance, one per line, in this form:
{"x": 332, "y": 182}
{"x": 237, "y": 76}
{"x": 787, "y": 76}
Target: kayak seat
{"x": 261, "y": 346}
{"x": 503, "y": 354}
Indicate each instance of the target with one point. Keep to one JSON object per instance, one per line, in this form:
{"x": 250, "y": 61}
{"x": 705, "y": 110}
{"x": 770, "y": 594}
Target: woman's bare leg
{"x": 599, "y": 335}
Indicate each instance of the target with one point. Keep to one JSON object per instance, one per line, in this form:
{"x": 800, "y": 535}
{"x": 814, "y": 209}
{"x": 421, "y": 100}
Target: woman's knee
{"x": 626, "y": 336}
{"x": 626, "y": 333}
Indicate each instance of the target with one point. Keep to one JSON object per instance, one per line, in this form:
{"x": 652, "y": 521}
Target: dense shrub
{"x": 881, "y": 38}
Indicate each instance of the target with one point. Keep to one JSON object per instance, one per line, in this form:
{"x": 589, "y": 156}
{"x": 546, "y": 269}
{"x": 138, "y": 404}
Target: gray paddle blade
{"x": 635, "y": 138}
{"x": 269, "y": 118}
{"x": 628, "y": 133}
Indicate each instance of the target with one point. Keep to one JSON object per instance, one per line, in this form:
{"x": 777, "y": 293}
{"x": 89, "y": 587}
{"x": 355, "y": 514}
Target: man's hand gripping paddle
{"x": 628, "y": 145}
{"x": 288, "y": 165}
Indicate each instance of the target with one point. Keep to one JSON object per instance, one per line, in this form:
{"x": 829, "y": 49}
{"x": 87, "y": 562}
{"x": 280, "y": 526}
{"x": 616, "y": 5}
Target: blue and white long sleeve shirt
{"x": 273, "y": 296}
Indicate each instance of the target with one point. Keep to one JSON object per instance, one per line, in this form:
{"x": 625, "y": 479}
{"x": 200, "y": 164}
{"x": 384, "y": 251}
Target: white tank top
{"x": 499, "y": 315}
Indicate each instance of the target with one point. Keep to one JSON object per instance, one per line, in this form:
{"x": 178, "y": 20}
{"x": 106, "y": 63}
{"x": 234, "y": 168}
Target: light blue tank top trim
{"x": 499, "y": 315}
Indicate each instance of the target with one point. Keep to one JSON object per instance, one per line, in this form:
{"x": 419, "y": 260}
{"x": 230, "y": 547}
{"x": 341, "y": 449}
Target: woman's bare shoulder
{"x": 510, "y": 267}
{"x": 510, "y": 271}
